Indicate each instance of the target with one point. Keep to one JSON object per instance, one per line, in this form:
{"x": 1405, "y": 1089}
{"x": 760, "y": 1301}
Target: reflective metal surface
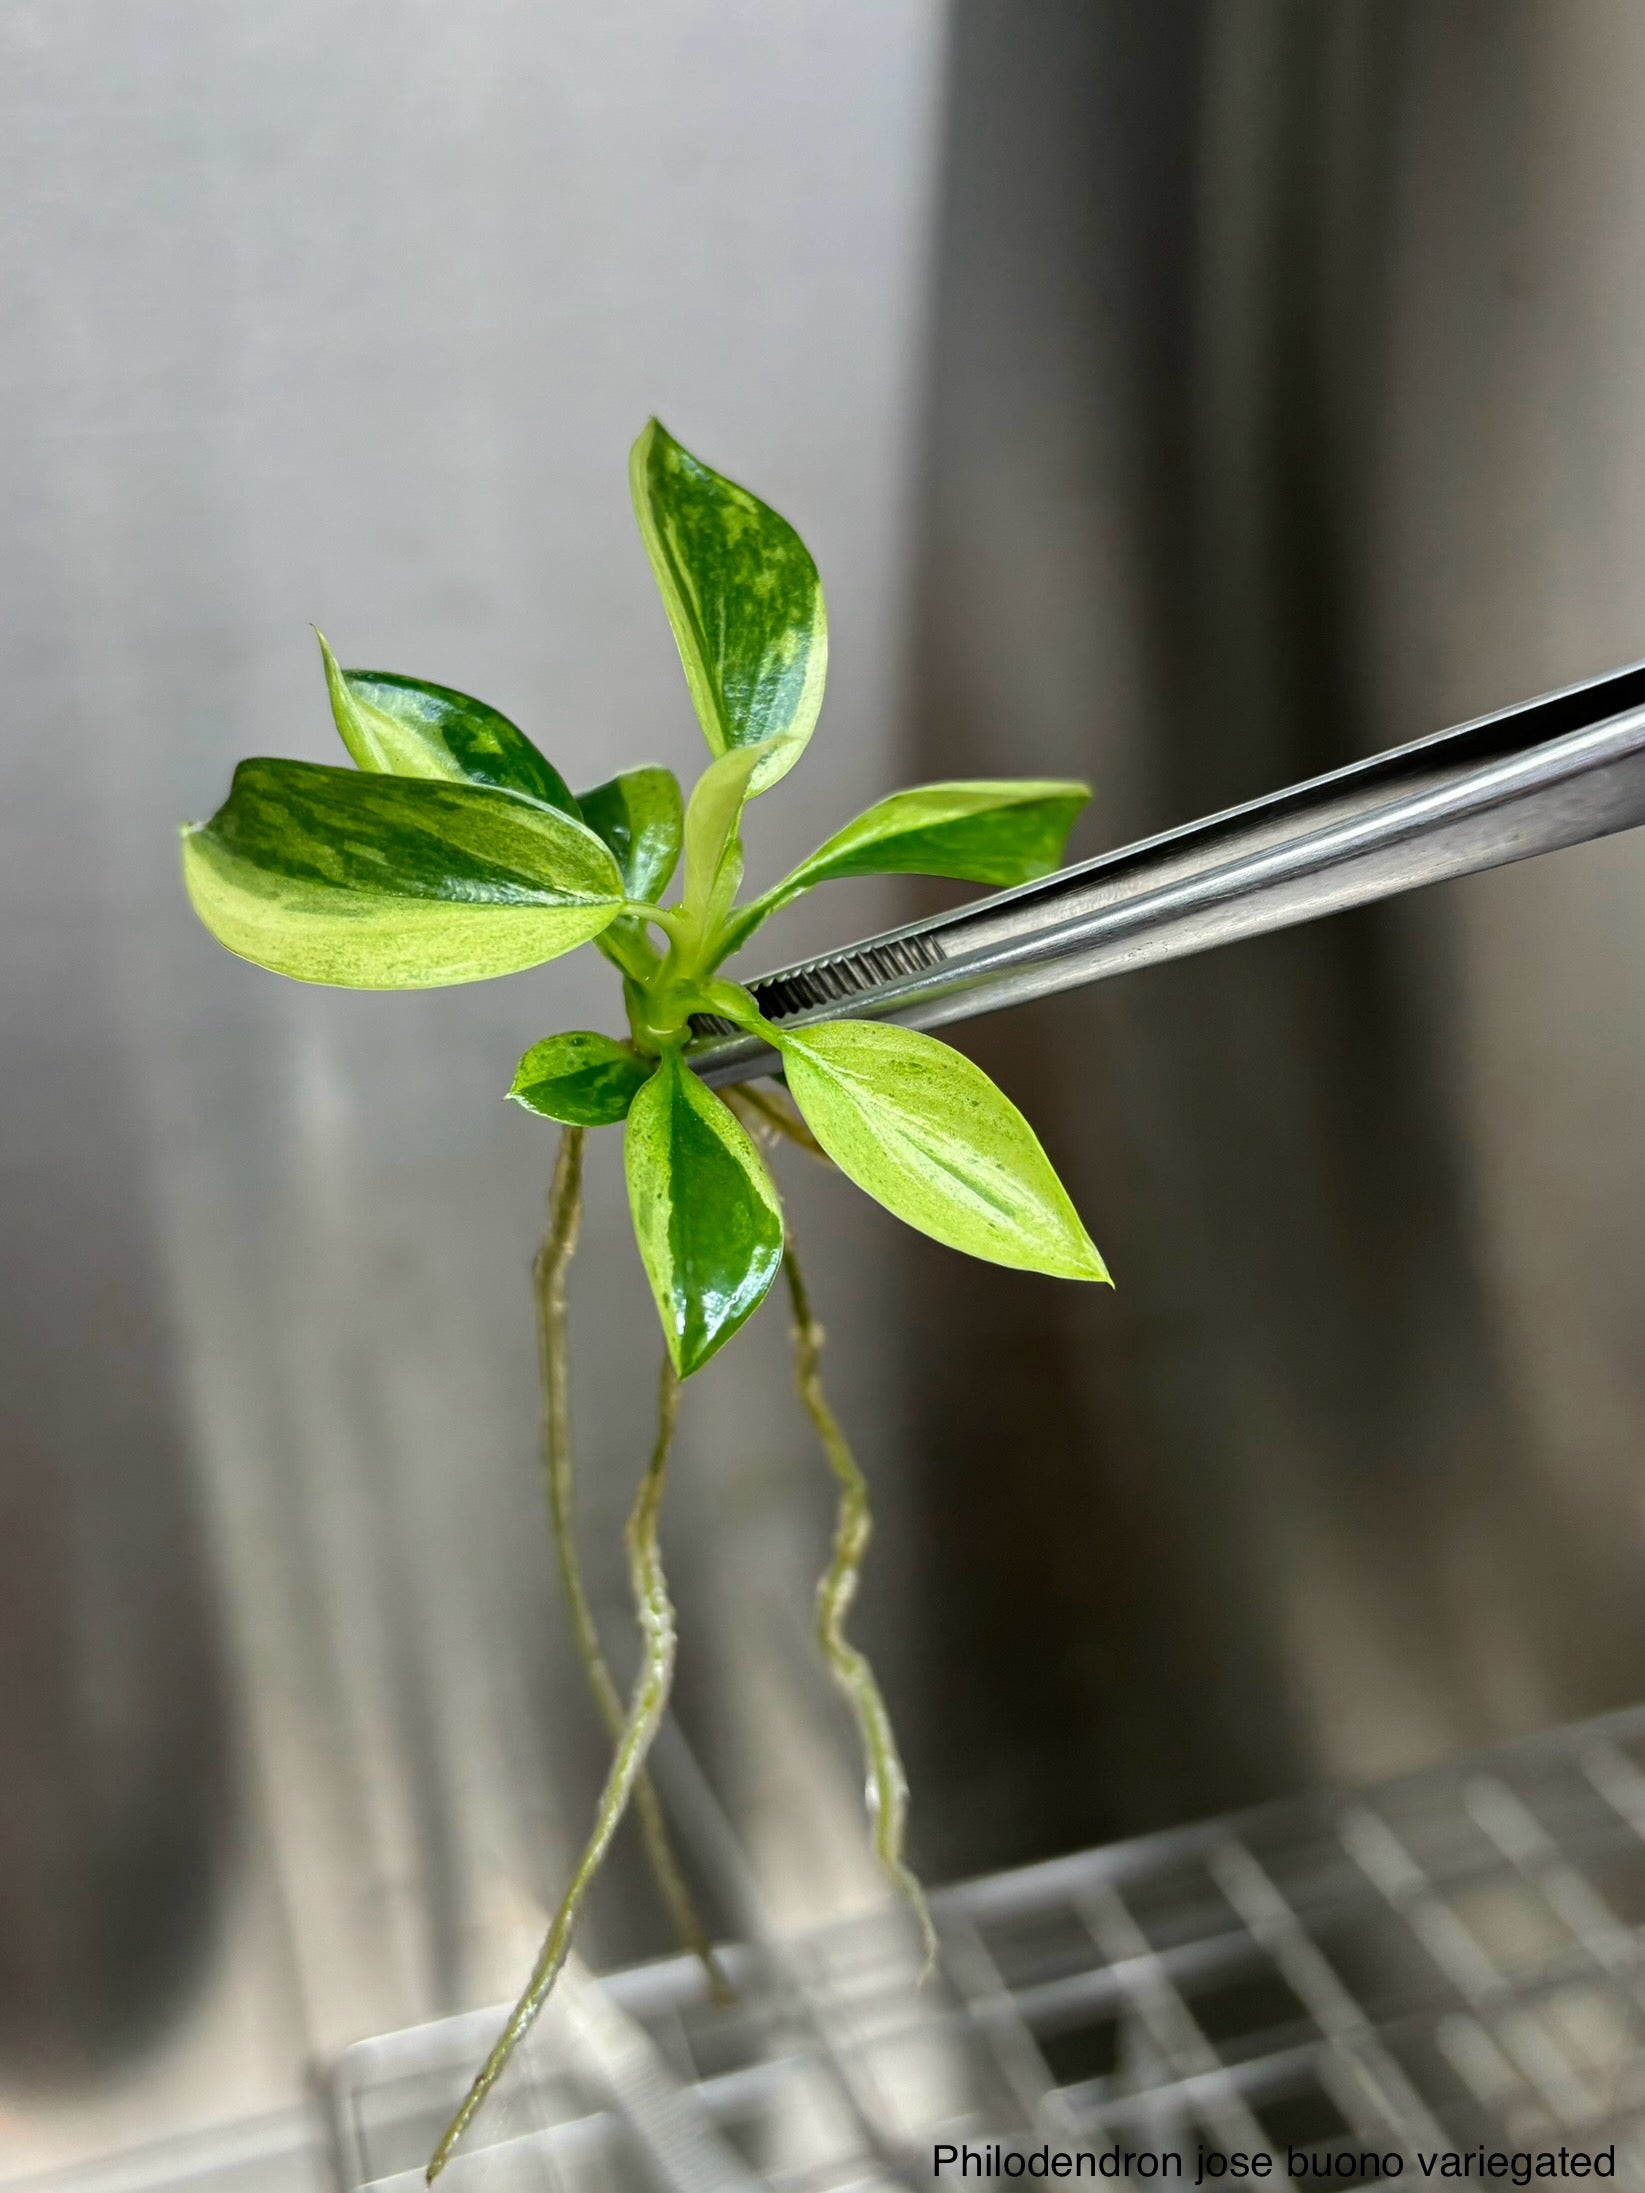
{"x": 348, "y": 313}
{"x": 1200, "y": 398}
{"x": 1282, "y": 411}
{"x": 1558, "y": 772}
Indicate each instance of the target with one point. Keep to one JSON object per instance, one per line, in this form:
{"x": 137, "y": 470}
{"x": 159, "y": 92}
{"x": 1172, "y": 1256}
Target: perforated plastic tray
{"x": 1449, "y": 1962}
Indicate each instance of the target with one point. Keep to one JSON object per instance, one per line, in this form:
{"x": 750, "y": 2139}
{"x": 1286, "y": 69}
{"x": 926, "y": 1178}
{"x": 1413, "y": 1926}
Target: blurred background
{"x": 1192, "y": 396}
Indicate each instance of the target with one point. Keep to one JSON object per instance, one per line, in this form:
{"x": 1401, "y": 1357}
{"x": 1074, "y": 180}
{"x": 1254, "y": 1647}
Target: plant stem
{"x": 770, "y": 1113}
{"x": 565, "y": 1212}
{"x": 646, "y": 1708}
{"x": 887, "y": 1783}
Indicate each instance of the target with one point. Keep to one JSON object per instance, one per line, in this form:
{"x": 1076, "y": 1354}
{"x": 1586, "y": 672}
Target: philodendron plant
{"x": 453, "y": 851}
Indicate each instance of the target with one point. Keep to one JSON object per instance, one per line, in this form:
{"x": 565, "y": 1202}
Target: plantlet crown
{"x": 454, "y": 852}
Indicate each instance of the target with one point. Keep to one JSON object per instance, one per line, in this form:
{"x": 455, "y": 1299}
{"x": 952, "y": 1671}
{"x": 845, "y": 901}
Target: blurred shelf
{"x": 275, "y": 2154}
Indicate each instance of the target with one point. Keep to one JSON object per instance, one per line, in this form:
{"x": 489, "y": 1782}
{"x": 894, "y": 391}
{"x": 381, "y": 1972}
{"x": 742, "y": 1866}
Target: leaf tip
{"x": 344, "y": 710}
{"x": 1087, "y": 1262}
{"x": 645, "y": 441}
{"x": 519, "y": 1092}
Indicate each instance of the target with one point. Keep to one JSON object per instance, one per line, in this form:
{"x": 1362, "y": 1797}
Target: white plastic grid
{"x": 1454, "y": 1960}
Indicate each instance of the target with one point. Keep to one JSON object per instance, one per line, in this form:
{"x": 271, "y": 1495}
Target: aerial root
{"x": 887, "y": 1782}
{"x": 640, "y": 1724}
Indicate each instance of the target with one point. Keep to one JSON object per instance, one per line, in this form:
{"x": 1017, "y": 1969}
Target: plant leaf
{"x": 582, "y": 1079}
{"x": 925, "y": 1132}
{"x": 743, "y": 597}
{"x": 1003, "y": 832}
{"x": 405, "y": 727}
{"x": 386, "y": 883}
{"x": 713, "y": 817}
{"x": 705, "y": 1212}
{"x": 640, "y": 816}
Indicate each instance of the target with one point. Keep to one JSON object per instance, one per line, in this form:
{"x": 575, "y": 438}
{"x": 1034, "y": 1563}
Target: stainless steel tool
{"x": 1552, "y": 772}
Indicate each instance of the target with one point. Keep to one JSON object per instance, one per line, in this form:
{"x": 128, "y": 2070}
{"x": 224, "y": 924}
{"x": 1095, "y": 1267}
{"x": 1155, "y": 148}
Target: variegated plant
{"x": 454, "y": 851}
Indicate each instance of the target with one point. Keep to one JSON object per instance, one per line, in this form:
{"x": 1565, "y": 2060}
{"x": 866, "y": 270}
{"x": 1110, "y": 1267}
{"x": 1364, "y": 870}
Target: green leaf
{"x": 986, "y": 832}
{"x": 386, "y": 883}
{"x": 743, "y": 598}
{"x": 582, "y": 1079}
{"x": 405, "y": 727}
{"x": 706, "y": 1214}
{"x": 926, "y": 1133}
{"x": 640, "y": 816}
{"x": 713, "y": 819}
{"x": 1004, "y": 832}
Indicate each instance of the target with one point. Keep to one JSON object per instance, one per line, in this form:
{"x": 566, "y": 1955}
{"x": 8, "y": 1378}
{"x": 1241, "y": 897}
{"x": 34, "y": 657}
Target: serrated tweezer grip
{"x": 1549, "y": 773}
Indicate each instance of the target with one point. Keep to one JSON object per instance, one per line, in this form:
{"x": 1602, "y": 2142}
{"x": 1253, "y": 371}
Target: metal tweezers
{"x": 1552, "y": 772}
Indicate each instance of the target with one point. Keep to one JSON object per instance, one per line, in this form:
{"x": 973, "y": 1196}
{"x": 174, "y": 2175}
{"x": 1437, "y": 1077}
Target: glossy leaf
{"x": 925, "y": 1132}
{"x": 640, "y": 816}
{"x": 386, "y": 883}
{"x": 405, "y": 727}
{"x": 1006, "y": 832}
{"x": 581, "y": 1079}
{"x": 705, "y": 1213}
{"x": 743, "y": 598}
